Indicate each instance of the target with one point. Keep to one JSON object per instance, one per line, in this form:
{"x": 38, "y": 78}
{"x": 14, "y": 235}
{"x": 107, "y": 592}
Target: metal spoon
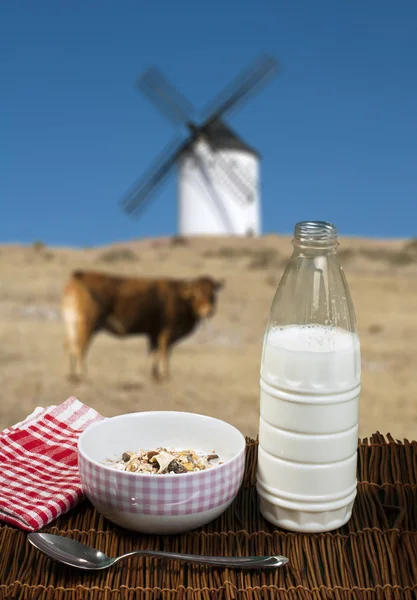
{"x": 84, "y": 557}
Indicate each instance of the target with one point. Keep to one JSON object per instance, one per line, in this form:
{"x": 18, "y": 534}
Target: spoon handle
{"x": 240, "y": 562}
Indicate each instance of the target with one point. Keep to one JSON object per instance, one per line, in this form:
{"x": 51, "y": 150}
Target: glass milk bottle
{"x": 309, "y": 390}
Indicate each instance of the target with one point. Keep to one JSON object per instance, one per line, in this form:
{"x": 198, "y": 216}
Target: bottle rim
{"x": 315, "y": 231}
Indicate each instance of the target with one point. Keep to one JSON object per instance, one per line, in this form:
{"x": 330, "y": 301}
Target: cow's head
{"x": 201, "y": 295}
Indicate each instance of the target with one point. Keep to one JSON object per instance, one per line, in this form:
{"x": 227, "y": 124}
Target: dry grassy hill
{"x": 216, "y": 371}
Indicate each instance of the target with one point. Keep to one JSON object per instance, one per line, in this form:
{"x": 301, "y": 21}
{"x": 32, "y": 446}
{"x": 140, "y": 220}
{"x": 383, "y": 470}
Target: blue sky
{"x": 337, "y": 129}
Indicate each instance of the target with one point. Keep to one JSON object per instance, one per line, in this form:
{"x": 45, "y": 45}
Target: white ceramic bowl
{"x": 160, "y": 504}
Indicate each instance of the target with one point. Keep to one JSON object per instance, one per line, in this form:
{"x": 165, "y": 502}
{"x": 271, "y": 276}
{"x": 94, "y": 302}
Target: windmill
{"x": 218, "y": 173}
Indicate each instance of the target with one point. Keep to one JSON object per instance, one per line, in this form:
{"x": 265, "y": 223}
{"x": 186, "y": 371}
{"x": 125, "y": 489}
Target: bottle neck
{"x": 311, "y": 237}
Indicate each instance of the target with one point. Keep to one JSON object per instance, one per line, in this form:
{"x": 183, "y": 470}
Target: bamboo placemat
{"x": 373, "y": 556}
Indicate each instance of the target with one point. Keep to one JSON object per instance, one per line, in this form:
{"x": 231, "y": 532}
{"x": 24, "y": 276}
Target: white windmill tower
{"x": 218, "y": 186}
{"x": 218, "y": 173}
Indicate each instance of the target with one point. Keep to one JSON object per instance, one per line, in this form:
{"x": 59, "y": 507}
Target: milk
{"x": 311, "y": 359}
{"x": 308, "y": 430}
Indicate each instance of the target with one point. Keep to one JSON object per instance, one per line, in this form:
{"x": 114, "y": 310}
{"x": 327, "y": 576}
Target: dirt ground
{"x": 216, "y": 370}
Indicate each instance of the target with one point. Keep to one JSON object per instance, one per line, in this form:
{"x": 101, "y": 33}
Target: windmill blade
{"x": 135, "y": 200}
{"x": 159, "y": 90}
{"x": 243, "y": 87}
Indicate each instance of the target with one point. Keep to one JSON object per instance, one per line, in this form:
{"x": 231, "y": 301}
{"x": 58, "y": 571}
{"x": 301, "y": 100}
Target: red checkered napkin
{"x": 39, "y": 478}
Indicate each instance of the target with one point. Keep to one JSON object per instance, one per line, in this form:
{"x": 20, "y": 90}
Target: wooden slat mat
{"x": 373, "y": 556}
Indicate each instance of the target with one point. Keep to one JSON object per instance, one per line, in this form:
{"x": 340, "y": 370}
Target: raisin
{"x": 212, "y": 457}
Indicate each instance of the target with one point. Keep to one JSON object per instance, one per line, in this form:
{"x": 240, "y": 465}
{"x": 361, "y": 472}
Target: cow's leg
{"x": 155, "y": 365}
{"x": 78, "y": 352}
{"x": 83, "y": 342}
{"x": 164, "y": 346}
{"x": 71, "y": 321}
{"x": 79, "y": 330}
{"x": 165, "y": 363}
{"x": 71, "y": 360}
{"x": 153, "y": 345}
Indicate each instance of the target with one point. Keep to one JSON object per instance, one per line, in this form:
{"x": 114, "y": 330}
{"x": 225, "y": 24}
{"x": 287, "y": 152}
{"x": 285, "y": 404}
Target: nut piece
{"x": 164, "y": 459}
{"x": 176, "y": 467}
{"x": 126, "y": 456}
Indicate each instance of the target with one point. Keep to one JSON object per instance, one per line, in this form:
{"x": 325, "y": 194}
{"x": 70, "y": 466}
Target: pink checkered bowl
{"x": 160, "y": 504}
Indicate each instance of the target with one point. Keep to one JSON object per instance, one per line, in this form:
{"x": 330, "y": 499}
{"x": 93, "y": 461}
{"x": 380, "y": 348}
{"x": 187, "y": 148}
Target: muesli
{"x": 162, "y": 461}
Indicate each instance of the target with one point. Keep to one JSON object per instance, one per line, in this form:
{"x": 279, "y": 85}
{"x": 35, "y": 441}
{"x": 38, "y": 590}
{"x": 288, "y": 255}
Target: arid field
{"x": 216, "y": 370}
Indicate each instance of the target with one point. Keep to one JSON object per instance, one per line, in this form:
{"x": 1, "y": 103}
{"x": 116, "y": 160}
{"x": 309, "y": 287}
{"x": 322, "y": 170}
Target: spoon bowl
{"x": 73, "y": 553}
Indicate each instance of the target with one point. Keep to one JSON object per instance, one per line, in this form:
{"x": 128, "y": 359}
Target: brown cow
{"x": 165, "y": 310}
